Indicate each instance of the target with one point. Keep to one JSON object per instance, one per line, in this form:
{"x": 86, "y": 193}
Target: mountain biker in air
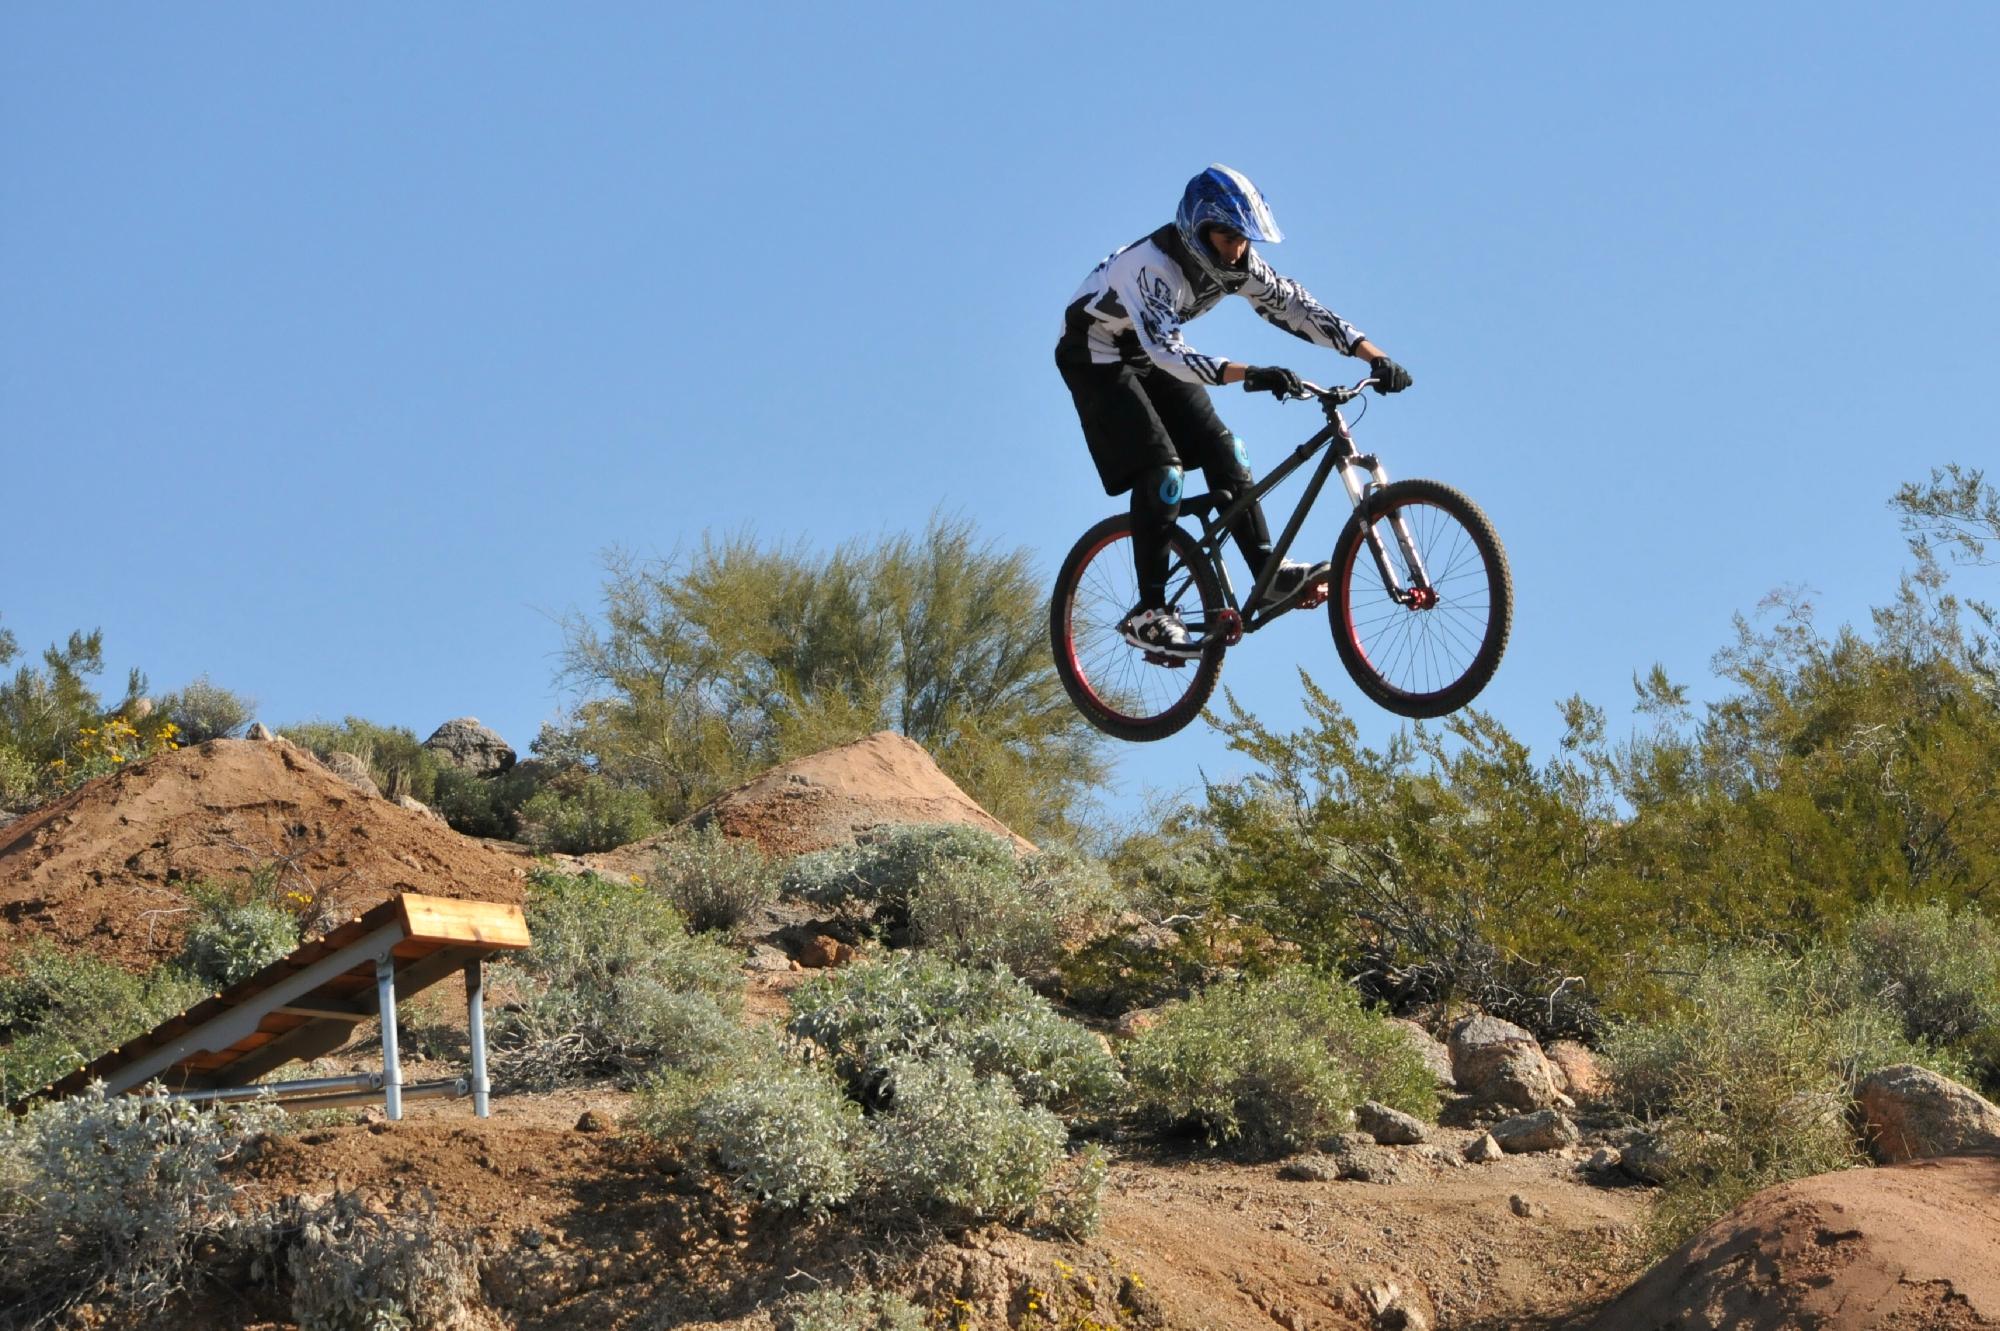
{"x": 1139, "y": 388}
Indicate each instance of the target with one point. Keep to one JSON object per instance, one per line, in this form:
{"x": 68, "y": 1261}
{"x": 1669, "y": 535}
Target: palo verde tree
{"x": 705, "y": 668}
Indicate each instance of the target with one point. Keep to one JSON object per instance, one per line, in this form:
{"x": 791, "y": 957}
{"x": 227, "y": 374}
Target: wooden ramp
{"x": 307, "y": 1004}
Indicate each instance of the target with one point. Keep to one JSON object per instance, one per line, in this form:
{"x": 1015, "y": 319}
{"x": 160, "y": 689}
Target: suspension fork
{"x": 1420, "y": 594}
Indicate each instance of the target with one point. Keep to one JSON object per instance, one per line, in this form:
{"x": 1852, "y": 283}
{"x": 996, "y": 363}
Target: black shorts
{"x": 1133, "y": 420}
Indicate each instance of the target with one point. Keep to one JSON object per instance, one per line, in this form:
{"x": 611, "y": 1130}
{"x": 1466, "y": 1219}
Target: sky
{"x": 339, "y": 344}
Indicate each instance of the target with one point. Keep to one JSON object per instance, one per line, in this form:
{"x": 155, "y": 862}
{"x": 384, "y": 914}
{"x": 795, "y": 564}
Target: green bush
{"x": 397, "y": 761}
{"x": 716, "y": 882}
{"x": 848, "y": 1310}
{"x": 1270, "y": 1066}
{"x": 580, "y": 813}
{"x": 868, "y": 1017}
{"x": 613, "y": 984}
{"x": 1750, "y": 1073}
{"x": 961, "y": 891}
{"x": 63, "y": 1008}
{"x": 204, "y": 711}
{"x": 1938, "y": 970}
{"x": 18, "y": 778}
{"x": 960, "y": 1146}
{"x": 234, "y": 935}
{"x": 108, "y": 1196}
{"x": 786, "y": 1134}
{"x": 483, "y": 806}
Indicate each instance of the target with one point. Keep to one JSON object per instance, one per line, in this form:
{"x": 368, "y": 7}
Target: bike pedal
{"x": 1160, "y": 659}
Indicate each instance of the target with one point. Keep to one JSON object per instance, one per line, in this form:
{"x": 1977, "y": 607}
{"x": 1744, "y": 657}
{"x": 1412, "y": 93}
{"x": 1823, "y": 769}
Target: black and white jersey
{"x": 1132, "y": 306}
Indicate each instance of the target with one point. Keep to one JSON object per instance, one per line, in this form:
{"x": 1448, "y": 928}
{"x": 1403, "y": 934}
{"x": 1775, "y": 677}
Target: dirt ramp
{"x": 832, "y": 797}
{"x": 1914, "y": 1247}
{"x": 105, "y": 868}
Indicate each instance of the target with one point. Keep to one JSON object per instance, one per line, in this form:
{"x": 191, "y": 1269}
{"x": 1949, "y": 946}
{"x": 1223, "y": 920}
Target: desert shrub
{"x": 18, "y": 778}
{"x": 204, "y": 711}
{"x": 398, "y": 763}
{"x": 613, "y": 984}
{"x": 1936, "y": 969}
{"x": 786, "y": 1134}
{"x": 1271, "y": 1065}
{"x": 1750, "y": 1073}
{"x": 354, "y": 1268}
{"x": 578, "y": 813}
{"x": 485, "y": 806}
{"x": 108, "y": 1195}
{"x": 716, "y": 882}
{"x": 234, "y": 934}
{"x": 868, "y": 1017}
{"x": 959, "y": 1146}
{"x": 961, "y": 891}
{"x": 61, "y": 1009}
{"x": 848, "y": 1310}
{"x": 1072, "y": 1199}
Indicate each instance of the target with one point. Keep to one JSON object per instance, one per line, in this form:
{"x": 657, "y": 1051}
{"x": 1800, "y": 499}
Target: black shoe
{"x": 1159, "y": 631}
{"x": 1290, "y": 582}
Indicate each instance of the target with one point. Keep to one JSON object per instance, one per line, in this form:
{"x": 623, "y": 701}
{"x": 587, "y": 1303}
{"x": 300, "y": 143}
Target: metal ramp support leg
{"x": 392, "y": 1063}
{"x": 475, "y": 1025}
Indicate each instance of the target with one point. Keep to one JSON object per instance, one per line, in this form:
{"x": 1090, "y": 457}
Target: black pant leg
{"x": 1202, "y": 440}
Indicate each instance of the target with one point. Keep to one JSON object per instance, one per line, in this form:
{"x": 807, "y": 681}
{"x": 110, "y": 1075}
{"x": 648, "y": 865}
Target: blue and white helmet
{"x": 1221, "y": 196}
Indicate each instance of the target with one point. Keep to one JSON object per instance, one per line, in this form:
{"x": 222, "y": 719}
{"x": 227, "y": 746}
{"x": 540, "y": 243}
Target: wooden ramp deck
{"x": 308, "y": 1003}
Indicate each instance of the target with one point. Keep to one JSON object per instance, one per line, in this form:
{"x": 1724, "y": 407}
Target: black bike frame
{"x": 1215, "y": 526}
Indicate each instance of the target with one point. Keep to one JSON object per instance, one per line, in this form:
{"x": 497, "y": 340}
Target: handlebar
{"x": 1336, "y": 396}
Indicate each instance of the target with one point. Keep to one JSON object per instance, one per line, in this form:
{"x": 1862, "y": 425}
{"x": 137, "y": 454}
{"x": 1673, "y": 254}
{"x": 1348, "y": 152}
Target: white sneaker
{"x": 1292, "y": 578}
{"x": 1159, "y": 631}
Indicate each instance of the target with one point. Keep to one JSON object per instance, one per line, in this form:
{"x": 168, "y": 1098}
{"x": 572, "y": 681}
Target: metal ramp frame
{"x": 308, "y": 1003}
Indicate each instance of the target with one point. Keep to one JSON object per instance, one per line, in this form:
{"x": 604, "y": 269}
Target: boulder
{"x": 353, "y": 771}
{"x": 1912, "y": 1112}
{"x": 1577, "y": 1071}
{"x": 470, "y": 747}
{"x": 1310, "y": 1169}
{"x": 1498, "y": 1063}
{"x": 1482, "y": 1149}
{"x": 419, "y": 808}
{"x": 822, "y": 951}
{"x": 1543, "y": 1130}
{"x": 259, "y": 731}
{"x": 1389, "y": 1127}
{"x": 1138, "y": 1021}
{"x": 1647, "y": 1158}
{"x": 1427, "y": 1047}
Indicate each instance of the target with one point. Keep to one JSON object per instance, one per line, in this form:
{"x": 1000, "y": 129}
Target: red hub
{"x": 1230, "y": 625}
{"x": 1423, "y": 598}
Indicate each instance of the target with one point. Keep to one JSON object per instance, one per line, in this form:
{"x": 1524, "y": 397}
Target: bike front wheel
{"x": 1420, "y": 647}
{"x": 1123, "y": 690}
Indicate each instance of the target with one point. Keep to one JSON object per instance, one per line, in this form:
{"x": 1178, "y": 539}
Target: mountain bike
{"x": 1418, "y": 593}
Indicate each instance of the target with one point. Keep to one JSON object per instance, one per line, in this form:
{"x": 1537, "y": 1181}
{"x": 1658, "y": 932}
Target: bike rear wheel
{"x": 1421, "y": 652}
{"x": 1121, "y": 689}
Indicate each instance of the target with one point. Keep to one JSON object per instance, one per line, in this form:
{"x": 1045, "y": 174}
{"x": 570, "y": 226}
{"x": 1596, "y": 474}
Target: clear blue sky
{"x": 337, "y": 344}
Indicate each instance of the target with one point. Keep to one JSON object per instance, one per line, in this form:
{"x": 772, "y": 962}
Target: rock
{"x": 418, "y": 807}
{"x": 259, "y": 731}
{"x": 1526, "y": 1209}
{"x": 354, "y": 772}
{"x": 1578, "y": 1071}
{"x": 764, "y": 957}
{"x": 1604, "y": 1160}
{"x": 1498, "y": 1062}
{"x": 1152, "y": 938}
{"x": 1543, "y": 1130}
{"x": 1310, "y": 1169}
{"x": 592, "y": 1121}
{"x": 1912, "y": 1113}
{"x": 1428, "y": 1047}
{"x": 470, "y": 747}
{"x": 821, "y": 951}
{"x": 1390, "y": 1127}
{"x": 1646, "y": 1158}
{"x": 1138, "y": 1021}
{"x": 1391, "y": 1309}
{"x": 1483, "y": 1150}
{"x": 1355, "y": 1155}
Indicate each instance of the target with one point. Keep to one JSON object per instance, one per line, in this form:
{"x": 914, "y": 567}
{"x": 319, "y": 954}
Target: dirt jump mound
{"x": 106, "y": 868}
{"x": 1908, "y": 1247}
{"x": 832, "y": 797}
